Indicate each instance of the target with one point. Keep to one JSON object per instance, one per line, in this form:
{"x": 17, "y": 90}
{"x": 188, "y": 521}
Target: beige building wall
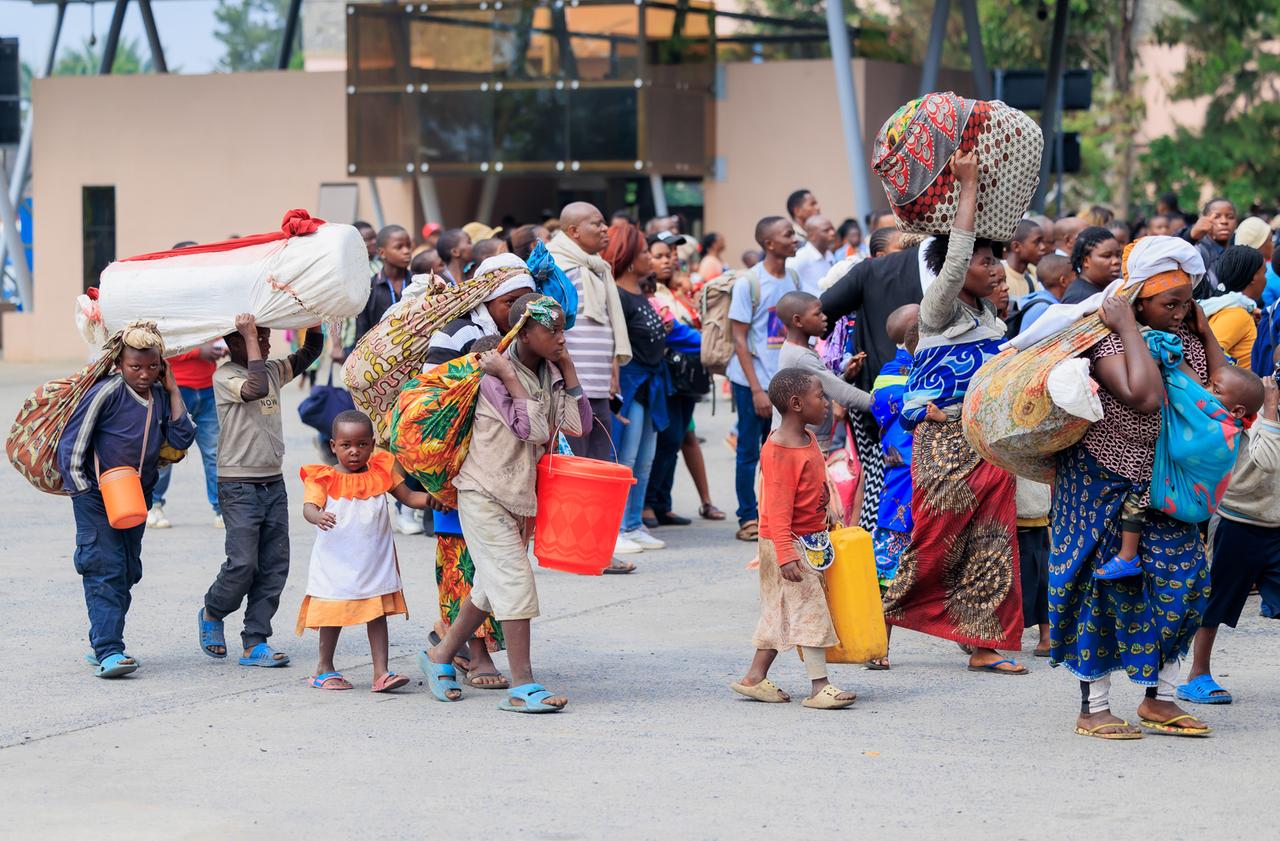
{"x": 778, "y": 130}
{"x": 191, "y": 157}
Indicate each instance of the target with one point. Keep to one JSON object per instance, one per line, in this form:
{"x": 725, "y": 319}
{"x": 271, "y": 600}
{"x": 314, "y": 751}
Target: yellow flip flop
{"x": 828, "y": 699}
{"x": 766, "y": 691}
{"x": 1167, "y": 727}
{"x": 1097, "y": 733}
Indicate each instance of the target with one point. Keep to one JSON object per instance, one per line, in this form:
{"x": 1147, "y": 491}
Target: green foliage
{"x": 86, "y": 59}
{"x": 250, "y": 31}
{"x": 1231, "y": 59}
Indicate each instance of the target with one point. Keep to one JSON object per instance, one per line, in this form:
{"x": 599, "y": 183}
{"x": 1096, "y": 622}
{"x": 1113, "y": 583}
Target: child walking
{"x": 794, "y": 504}
{"x": 528, "y": 392}
{"x": 354, "y": 577}
{"x": 251, "y": 490}
{"x": 121, "y": 421}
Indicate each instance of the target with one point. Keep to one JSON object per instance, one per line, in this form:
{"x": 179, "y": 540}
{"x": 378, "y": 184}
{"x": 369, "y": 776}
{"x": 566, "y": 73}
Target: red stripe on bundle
{"x": 296, "y": 223}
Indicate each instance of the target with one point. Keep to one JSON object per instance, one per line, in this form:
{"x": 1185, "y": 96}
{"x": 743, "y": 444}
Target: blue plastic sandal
{"x": 265, "y": 656}
{"x": 92, "y": 659}
{"x": 1200, "y": 691}
{"x": 113, "y": 665}
{"x": 211, "y": 634}
{"x": 441, "y": 678}
{"x": 533, "y": 695}
{"x": 1118, "y": 567}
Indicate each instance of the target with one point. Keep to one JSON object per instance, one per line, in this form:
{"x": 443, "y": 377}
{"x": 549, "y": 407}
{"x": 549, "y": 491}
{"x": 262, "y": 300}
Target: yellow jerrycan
{"x": 853, "y": 597}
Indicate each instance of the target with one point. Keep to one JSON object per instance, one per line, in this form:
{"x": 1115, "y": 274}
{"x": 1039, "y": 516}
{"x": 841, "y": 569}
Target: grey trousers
{"x": 256, "y": 516}
{"x": 594, "y": 442}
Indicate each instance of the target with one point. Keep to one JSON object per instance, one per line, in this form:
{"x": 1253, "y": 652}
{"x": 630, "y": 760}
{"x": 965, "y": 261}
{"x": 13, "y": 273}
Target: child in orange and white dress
{"x": 354, "y": 578}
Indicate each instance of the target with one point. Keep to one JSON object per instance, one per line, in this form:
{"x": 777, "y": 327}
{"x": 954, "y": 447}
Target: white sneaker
{"x": 643, "y": 539}
{"x": 217, "y": 522}
{"x": 156, "y": 518}
{"x": 626, "y": 547}
{"x": 406, "y": 522}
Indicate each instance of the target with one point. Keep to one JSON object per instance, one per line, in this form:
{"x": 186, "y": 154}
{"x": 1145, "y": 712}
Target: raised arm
{"x": 941, "y": 298}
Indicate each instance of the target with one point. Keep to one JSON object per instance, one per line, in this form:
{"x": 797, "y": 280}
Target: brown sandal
{"x": 709, "y": 512}
{"x": 749, "y": 531}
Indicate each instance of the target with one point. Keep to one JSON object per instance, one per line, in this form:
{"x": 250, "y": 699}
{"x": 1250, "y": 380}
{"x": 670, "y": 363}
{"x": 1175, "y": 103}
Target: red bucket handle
{"x": 551, "y": 455}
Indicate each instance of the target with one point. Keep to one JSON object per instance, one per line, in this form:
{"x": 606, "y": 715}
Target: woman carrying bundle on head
{"x": 959, "y": 577}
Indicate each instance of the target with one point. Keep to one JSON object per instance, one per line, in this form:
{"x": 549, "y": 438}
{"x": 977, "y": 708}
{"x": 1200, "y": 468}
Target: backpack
{"x": 713, "y": 308}
{"x": 32, "y": 445}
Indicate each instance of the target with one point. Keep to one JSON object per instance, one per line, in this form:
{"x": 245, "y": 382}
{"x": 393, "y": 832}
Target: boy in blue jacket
{"x": 122, "y": 421}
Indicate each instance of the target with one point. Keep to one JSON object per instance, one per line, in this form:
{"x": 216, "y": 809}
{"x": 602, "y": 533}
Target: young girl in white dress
{"x": 354, "y": 577}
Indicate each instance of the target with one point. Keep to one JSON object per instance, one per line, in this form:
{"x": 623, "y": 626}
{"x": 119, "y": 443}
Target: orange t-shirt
{"x": 794, "y": 496}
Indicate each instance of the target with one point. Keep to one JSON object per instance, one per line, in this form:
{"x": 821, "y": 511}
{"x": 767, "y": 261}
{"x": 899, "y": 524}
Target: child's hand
{"x": 247, "y": 326}
{"x": 492, "y": 362}
{"x": 933, "y": 413}
{"x": 323, "y": 520}
{"x": 854, "y": 367}
{"x": 760, "y": 400}
{"x": 1270, "y": 397}
{"x": 791, "y": 571}
{"x": 170, "y": 384}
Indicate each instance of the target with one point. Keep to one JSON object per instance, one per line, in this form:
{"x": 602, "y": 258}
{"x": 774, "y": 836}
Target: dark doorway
{"x": 98, "y": 227}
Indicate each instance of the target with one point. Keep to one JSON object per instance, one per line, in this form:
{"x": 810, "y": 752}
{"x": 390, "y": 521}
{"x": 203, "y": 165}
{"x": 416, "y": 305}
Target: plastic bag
{"x": 1196, "y": 450}
{"x": 552, "y": 281}
{"x": 1074, "y": 391}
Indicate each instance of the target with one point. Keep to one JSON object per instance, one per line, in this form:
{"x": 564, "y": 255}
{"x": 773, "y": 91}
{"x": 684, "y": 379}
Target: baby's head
{"x": 801, "y": 313}
{"x": 1239, "y": 390}
{"x": 543, "y": 331}
{"x": 351, "y": 440}
{"x": 795, "y": 391}
{"x": 484, "y": 343}
{"x": 903, "y": 326}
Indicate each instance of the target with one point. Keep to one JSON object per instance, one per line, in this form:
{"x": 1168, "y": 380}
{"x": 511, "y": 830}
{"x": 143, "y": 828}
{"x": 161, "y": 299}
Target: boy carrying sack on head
{"x": 528, "y": 392}
{"x": 793, "y": 522}
{"x": 251, "y": 491}
{"x": 122, "y": 421}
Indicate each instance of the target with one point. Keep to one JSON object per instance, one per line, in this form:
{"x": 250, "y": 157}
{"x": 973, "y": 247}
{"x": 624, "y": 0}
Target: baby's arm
{"x": 318, "y": 517}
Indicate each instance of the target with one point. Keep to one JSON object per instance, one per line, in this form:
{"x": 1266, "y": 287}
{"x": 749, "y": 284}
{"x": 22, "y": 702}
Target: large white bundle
{"x": 313, "y": 271}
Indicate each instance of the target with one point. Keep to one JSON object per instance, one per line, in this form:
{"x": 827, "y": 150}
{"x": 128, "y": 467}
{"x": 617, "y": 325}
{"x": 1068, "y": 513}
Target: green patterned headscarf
{"x": 543, "y": 311}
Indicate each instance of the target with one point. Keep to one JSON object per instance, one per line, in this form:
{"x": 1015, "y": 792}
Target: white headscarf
{"x": 508, "y": 261}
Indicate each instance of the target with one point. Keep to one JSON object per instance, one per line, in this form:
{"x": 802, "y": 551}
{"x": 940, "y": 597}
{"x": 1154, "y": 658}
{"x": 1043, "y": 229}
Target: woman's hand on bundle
{"x": 1117, "y": 314}
{"x": 791, "y": 571}
{"x": 965, "y": 167}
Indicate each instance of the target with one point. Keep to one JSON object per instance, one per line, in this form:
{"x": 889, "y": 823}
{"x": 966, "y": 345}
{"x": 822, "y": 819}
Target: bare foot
{"x": 559, "y": 701}
{"x": 1110, "y": 725}
{"x": 983, "y": 657}
{"x": 1153, "y": 709}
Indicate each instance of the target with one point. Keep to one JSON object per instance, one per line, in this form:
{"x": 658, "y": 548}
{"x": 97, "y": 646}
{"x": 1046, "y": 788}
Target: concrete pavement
{"x": 654, "y": 745}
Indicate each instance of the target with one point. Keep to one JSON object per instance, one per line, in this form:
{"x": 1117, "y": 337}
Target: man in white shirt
{"x": 816, "y": 257}
{"x": 801, "y": 205}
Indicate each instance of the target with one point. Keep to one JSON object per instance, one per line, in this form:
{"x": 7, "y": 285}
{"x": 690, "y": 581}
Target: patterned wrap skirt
{"x": 959, "y": 578}
{"x": 455, "y": 573}
{"x": 1136, "y": 624}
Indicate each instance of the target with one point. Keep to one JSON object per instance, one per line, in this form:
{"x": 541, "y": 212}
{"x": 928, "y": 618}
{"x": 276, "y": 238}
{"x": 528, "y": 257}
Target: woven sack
{"x": 914, "y": 150}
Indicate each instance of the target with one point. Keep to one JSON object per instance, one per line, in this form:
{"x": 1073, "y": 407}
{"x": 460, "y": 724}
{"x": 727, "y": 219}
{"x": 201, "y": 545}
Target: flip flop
{"x": 470, "y": 680}
{"x": 211, "y": 634}
{"x": 828, "y": 699}
{"x": 330, "y": 680}
{"x": 1045, "y": 653}
{"x": 264, "y": 656}
{"x": 113, "y": 665}
{"x": 1168, "y": 729}
{"x": 994, "y": 668}
{"x": 533, "y": 695}
{"x": 877, "y": 664}
{"x": 1200, "y": 690}
{"x": 766, "y": 691}
{"x": 442, "y": 678}
{"x": 388, "y": 682}
{"x": 624, "y": 569}
{"x": 1122, "y": 736}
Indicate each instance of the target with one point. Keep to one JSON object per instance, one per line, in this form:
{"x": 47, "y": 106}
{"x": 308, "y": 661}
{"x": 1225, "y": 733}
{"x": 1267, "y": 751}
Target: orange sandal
{"x": 388, "y": 682}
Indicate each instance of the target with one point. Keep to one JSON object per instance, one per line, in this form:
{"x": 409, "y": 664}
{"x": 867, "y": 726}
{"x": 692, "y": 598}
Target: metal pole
{"x": 933, "y": 54}
{"x": 1051, "y": 114}
{"x": 153, "y": 37}
{"x": 977, "y": 55}
{"x": 429, "y": 199}
{"x": 22, "y": 161}
{"x": 838, "y": 34}
{"x": 488, "y": 199}
{"x": 113, "y": 38}
{"x": 290, "y": 35}
{"x": 9, "y": 221}
{"x": 659, "y": 191}
{"x": 377, "y": 203}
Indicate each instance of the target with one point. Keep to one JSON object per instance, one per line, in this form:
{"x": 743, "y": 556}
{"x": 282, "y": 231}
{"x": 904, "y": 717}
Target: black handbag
{"x": 323, "y": 404}
{"x": 688, "y": 377}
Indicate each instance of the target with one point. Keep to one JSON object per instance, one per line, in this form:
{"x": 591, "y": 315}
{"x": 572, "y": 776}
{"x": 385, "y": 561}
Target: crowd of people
{"x": 848, "y": 360}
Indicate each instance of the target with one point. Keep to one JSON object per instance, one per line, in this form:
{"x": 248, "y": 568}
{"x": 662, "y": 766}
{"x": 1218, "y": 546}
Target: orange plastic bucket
{"x": 121, "y": 489}
{"x": 580, "y": 503}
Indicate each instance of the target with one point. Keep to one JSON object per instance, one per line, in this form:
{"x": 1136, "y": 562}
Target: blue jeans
{"x": 204, "y": 413}
{"x": 635, "y": 450}
{"x": 110, "y": 563}
{"x": 752, "y": 432}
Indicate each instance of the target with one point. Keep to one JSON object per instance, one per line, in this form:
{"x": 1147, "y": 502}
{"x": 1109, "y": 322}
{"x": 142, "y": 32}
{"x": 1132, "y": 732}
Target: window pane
{"x": 455, "y": 126}
{"x": 602, "y": 124}
{"x": 529, "y": 125}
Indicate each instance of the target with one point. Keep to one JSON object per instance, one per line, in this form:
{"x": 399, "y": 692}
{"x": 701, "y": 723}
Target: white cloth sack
{"x": 1073, "y": 390}
{"x": 194, "y": 298}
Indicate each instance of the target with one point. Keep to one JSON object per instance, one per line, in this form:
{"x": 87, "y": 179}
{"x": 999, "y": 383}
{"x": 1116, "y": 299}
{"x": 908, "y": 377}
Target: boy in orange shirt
{"x": 793, "y": 526}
